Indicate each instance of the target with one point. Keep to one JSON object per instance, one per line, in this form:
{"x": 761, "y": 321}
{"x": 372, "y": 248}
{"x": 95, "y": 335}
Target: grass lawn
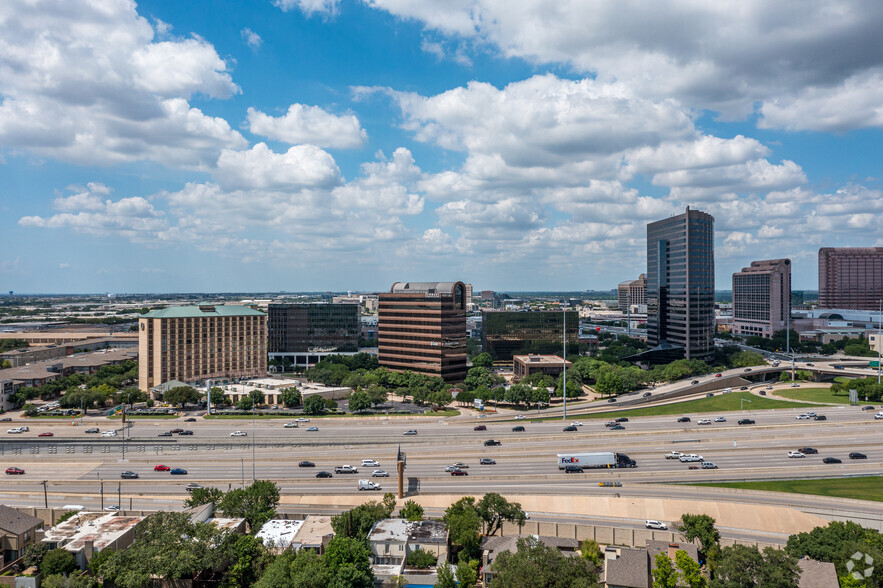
{"x": 842, "y": 379}
{"x": 864, "y": 488}
{"x": 443, "y": 413}
{"x": 814, "y": 395}
{"x": 145, "y": 416}
{"x": 717, "y": 403}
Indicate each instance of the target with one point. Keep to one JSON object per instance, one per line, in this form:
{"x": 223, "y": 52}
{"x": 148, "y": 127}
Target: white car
{"x": 576, "y": 424}
{"x": 802, "y": 417}
{"x": 370, "y": 463}
{"x": 482, "y": 416}
{"x": 650, "y": 524}
{"x": 704, "y": 422}
{"x": 878, "y": 416}
{"x": 520, "y": 417}
{"x": 239, "y": 434}
{"x": 112, "y": 507}
{"x": 380, "y": 474}
{"x": 769, "y": 387}
{"x": 811, "y": 414}
{"x": 302, "y": 420}
{"x": 673, "y": 455}
{"x": 795, "y": 385}
{"x": 720, "y": 419}
{"x": 796, "y": 454}
{"x": 290, "y": 425}
{"x": 691, "y": 457}
{"x": 110, "y": 433}
{"x": 15, "y": 430}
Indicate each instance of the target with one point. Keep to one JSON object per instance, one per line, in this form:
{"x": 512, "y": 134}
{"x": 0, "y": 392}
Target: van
{"x": 727, "y": 390}
{"x": 369, "y": 463}
{"x": 368, "y": 485}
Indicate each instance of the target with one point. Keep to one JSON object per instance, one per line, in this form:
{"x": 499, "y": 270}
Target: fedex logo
{"x": 569, "y": 460}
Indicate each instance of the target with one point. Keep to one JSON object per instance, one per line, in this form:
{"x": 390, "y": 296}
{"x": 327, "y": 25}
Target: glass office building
{"x": 680, "y": 284}
{"x": 509, "y": 333}
{"x": 306, "y": 333}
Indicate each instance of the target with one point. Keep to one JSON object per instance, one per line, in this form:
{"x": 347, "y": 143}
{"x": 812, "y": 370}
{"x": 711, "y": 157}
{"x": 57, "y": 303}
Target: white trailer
{"x": 595, "y": 460}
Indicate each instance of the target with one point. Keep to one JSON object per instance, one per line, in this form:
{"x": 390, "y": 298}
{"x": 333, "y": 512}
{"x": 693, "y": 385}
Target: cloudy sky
{"x": 345, "y": 144}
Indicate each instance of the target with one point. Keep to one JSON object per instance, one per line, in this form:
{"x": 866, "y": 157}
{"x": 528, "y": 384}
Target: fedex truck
{"x": 596, "y": 460}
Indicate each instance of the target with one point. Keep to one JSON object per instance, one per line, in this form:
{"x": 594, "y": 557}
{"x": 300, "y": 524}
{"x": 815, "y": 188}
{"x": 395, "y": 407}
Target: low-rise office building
{"x": 526, "y": 365}
{"x": 505, "y": 334}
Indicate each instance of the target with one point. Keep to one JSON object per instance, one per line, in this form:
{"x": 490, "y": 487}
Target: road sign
{"x": 853, "y": 396}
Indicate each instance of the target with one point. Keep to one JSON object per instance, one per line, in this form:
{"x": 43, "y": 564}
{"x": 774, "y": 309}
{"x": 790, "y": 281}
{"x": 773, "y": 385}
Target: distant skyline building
{"x": 851, "y": 277}
{"x": 305, "y": 333}
{"x": 422, "y": 328}
{"x": 468, "y": 295}
{"x": 680, "y": 285}
{"x": 505, "y": 334}
{"x": 632, "y": 292}
{"x": 194, "y": 343}
{"x": 762, "y": 298}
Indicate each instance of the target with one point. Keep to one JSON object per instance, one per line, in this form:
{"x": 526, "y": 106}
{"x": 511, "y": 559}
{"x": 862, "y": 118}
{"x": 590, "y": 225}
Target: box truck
{"x": 596, "y": 460}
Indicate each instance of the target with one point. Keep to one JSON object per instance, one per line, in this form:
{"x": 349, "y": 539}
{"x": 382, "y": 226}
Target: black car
{"x": 746, "y": 421}
{"x": 867, "y": 408}
{"x": 491, "y": 442}
{"x": 744, "y": 388}
{"x": 831, "y": 460}
{"x": 808, "y": 451}
{"x": 165, "y": 434}
{"x": 749, "y": 369}
{"x": 479, "y": 428}
{"x": 185, "y": 433}
{"x": 645, "y": 395}
{"x": 622, "y": 420}
{"x": 568, "y": 429}
{"x": 127, "y": 475}
{"x": 857, "y": 455}
{"x": 572, "y": 469}
{"x": 763, "y": 392}
{"x": 709, "y": 395}
{"x": 6, "y": 419}
{"x": 617, "y": 428}
{"x": 820, "y": 417}
{"x": 92, "y": 430}
{"x": 324, "y": 475}
{"x": 518, "y": 429}
{"x": 190, "y": 420}
{"x": 612, "y": 400}
{"x": 305, "y": 464}
{"x": 695, "y": 382}
{"x": 684, "y": 420}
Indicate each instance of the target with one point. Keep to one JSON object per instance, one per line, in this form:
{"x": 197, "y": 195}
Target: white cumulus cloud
{"x": 309, "y": 124}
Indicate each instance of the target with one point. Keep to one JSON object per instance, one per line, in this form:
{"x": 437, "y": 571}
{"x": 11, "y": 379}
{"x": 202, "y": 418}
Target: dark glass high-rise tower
{"x": 680, "y": 283}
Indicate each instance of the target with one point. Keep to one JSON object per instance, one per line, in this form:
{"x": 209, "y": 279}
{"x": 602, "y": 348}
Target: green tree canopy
{"x": 256, "y": 503}
{"x": 359, "y": 400}
{"x": 411, "y": 511}
{"x": 463, "y": 523}
{"x": 741, "y": 566}
{"x": 545, "y": 567}
{"x": 290, "y": 397}
{"x": 181, "y": 395}
{"x": 314, "y": 404}
{"x": 483, "y": 360}
{"x": 493, "y": 510}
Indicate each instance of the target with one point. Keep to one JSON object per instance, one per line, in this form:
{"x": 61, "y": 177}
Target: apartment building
{"x": 762, "y": 298}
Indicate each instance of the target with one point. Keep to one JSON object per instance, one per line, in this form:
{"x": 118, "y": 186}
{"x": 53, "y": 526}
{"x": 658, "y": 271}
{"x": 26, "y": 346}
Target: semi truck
{"x": 596, "y": 460}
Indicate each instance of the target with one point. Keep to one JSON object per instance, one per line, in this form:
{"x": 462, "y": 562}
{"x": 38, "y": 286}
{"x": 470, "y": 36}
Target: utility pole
{"x": 253, "y": 478}
{"x": 628, "y": 298}
{"x": 564, "y": 341}
{"x": 101, "y": 491}
{"x": 45, "y": 495}
{"x": 119, "y": 495}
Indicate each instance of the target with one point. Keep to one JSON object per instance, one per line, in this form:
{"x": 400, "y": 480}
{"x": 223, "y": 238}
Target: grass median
{"x": 718, "y": 403}
{"x": 445, "y": 413}
{"x": 813, "y": 395}
{"x": 861, "y": 488}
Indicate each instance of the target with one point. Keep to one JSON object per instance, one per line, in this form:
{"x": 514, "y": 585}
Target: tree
{"x": 199, "y": 496}
{"x": 357, "y": 522}
{"x": 330, "y": 404}
{"x": 664, "y": 573}
{"x": 34, "y": 554}
{"x": 690, "y": 573}
{"x": 544, "y": 566}
{"x": 314, "y": 404}
{"x": 493, "y": 510}
{"x": 257, "y": 397}
{"x": 702, "y": 527}
{"x": 245, "y": 403}
{"x": 58, "y": 561}
{"x": 741, "y": 566}
{"x": 463, "y": 523}
{"x": 445, "y": 577}
{"x": 248, "y": 557}
{"x": 377, "y": 394}
{"x": 218, "y": 398}
{"x": 130, "y": 396}
{"x": 836, "y": 543}
{"x": 256, "y": 503}
{"x": 411, "y": 511}
{"x": 303, "y": 569}
{"x": 467, "y": 571}
{"x": 352, "y": 555}
{"x": 359, "y": 400}
{"x": 73, "y": 580}
{"x": 591, "y": 551}
{"x": 744, "y": 359}
{"x": 181, "y": 395}
{"x": 421, "y": 559}
{"x": 290, "y": 397}
{"x": 484, "y": 360}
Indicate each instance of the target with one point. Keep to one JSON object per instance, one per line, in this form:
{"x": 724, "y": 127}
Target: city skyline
{"x": 324, "y": 145}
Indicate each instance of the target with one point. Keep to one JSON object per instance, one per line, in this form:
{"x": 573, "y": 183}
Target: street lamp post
{"x": 879, "y": 341}
{"x": 253, "y": 478}
{"x": 45, "y": 494}
{"x": 564, "y": 341}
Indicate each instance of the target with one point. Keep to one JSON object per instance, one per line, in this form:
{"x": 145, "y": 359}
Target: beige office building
{"x": 762, "y": 298}
{"x": 195, "y": 343}
{"x": 632, "y": 292}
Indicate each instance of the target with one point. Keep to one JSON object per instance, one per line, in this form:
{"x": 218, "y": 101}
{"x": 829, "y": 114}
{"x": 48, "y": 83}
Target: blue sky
{"x": 521, "y": 145}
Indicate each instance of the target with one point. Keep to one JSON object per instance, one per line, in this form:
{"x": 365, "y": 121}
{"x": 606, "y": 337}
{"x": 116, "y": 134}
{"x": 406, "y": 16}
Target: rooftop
{"x": 16, "y": 522}
{"x": 630, "y": 568}
{"x": 427, "y": 532}
{"x": 817, "y": 574}
{"x": 102, "y": 529}
{"x": 202, "y": 310}
{"x": 279, "y": 533}
{"x": 551, "y": 360}
{"x": 390, "y": 530}
{"x": 313, "y": 529}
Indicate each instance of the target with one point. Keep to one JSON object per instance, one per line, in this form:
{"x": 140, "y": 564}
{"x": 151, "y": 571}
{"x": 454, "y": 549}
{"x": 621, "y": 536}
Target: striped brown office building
{"x": 422, "y": 328}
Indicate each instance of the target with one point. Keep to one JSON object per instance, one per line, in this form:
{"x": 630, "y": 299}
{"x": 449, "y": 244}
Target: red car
{"x": 161, "y": 468}
{"x": 14, "y": 471}
{"x": 459, "y": 472}
{"x": 46, "y": 434}
{"x": 717, "y": 375}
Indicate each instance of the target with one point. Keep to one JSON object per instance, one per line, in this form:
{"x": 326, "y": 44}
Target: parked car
{"x": 14, "y": 471}
{"x": 324, "y": 475}
{"x": 305, "y": 464}
{"x": 518, "y": 429}
{"x": 572, "y": 469}
{"x": 762, "y": 392}
{"x": 796, "y": 454}
{"x": 491, "y": 442}
{"x": 651, "y": 524}
{"x": 178, "y": 472}
{"x": 487, "y": 461}
{"x": 831, "y": 460}
{"x": 857, "y": 455}
{"x": 129, "y": 475}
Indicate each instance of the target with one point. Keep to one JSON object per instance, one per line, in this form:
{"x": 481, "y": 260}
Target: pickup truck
{"x": 345, "y": 469}
{"x": 691, "y": 457}
{"x": 368, "y": 485}
{"x": 673, "y": 455}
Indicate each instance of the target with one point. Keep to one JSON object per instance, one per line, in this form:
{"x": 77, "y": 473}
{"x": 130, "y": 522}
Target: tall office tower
{"x": 305, "y": 333}
{"x": 762, "y": 298}
{"x": 632, "y": 292}
{"x": 505, "y": 334}
{"x": 422, "y": 328}
{"x": 680, "y": 284}
{"x": 468, "y": 295}
{"x": 195, "y": 343}
{"x": 851, "y": 277}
